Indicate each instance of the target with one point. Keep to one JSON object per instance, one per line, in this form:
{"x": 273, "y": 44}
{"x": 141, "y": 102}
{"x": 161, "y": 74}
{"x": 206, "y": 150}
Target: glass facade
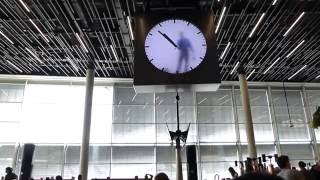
{"x": 129, "y": 131}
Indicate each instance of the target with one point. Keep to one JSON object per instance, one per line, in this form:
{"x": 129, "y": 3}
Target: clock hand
{"x": 167, "y": 38}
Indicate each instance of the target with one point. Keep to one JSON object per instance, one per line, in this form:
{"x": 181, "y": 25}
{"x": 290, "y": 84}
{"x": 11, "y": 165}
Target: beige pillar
{"x": 247, "y": 113}
{"x": 84, "y": 154}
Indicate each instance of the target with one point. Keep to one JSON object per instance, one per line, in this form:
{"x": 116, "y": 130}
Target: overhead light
{"x": 44, "y": 37}
{"x": 81, "y": 42}
{"x": 255, "y": 27}
{"x": 114, "y": 53}
{"x": 295, "y": 48}
{"x": 24, "y": 5}
{"x": 274, "y": 2}
{"x": 271, "y": 65}
{"x": 225, "y": 50}
{"x": 297, "y": 72}
{"x": 251, "y": 73}
{"x": 74, "y": 66}
{"x": 295, "y": 22}
{"x": 130, "y": 28}
{"x": 220, "y": 19}
{"x": 318, "y": 77}
{"x": 14, "y": 66}
{"x": 6, "y": 37}
{"x": 34, "y": 55}
{"x": 234, "y": 68}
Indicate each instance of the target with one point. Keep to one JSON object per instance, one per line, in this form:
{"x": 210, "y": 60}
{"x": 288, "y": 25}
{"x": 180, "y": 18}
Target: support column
{"x": 15, "y": 157}
{"x": 308, "y": 114}
{"x": 178, "y": 161}
{"x": 84, "y": 154}
{"x": 247, "y": 113}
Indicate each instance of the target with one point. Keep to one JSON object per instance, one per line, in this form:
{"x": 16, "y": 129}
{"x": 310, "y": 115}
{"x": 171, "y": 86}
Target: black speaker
{"x": 192, "y": 162}
{"x": 26, "y": 165}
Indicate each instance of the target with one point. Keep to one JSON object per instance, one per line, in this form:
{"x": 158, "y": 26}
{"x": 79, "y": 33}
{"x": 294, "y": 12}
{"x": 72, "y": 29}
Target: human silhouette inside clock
{"x": 185, "y": 49}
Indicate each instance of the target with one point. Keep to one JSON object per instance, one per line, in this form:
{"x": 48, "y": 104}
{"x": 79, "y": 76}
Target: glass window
{"x": 186, "y": 99}
{"x": 218, "y": 153}
{"x": 215, "y": 132}
{"x": 133, "y": 114}
{"x": 218, "y": 98}
{"x": 215, "y": 114}
{"x": 297, "y": 114}
{"x": 9, "y": 132}
{"x": 297, "y": 151}
{"x": 127, "y": 96}
{"x": 298, "y": 132}
{"x": 101, "y": 123}
{"x": 128, "y": 154}
{"x": 40, "y": 170}
{"x": 11, "y": 92}
{"x": 73, "y": 154}
{"x": 47, "y": 161}
{"x": 293, "y": 97}
{"x": 10, "y": 112}
{"x": 98, "y": 171}
{"x": 6, "y": 156}
{"x": 260, "y": 114}
{"x": 133, "y": 133}
{"x": 257, "y": 97}
{"x": 99, "y": 154}
{"x": 167, "y": 154}
{"x": 131, "y": 170}
{"x": 168, "y": 114}
{"x": 313, "y": 97}
{"x": 71, "y": 170}
{"x": 262, "y": 133}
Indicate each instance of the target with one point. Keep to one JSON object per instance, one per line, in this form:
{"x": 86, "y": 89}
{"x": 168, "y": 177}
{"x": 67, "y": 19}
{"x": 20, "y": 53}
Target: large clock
{"x": 175, "y": 46}
{"x": 175, "y": 50}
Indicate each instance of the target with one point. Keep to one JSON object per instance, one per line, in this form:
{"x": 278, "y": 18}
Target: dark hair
{"x": 282, "y": 161}
{"x": 302, "y": 164}
{"x": 161, "y": 176}
{"x": 260, "y": 176}
{"x": 58, "y": 177}
{"x": 9, "y": 169}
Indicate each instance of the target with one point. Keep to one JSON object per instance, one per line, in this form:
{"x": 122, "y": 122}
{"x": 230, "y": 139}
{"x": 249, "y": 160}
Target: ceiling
{"x": 51, "y": 37}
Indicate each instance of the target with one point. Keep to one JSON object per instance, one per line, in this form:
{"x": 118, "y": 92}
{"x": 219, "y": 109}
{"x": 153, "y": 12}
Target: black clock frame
{"x": 145, "y": 73}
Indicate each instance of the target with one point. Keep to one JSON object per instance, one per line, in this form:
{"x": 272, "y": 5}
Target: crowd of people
{"x": 252, "y": 170}
{"x": 284, "y": 171}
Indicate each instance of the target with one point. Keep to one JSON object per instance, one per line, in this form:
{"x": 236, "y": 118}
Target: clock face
{"x": 175, "y": 46}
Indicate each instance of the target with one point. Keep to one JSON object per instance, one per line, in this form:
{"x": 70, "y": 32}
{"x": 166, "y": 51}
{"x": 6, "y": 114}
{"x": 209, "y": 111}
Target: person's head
{"x": 9, "y": 170}
{"x": 302, "y": 165}
{"x": 79, "y": 177}
{"x": 260, "y": 176}
{"x": 58, "y": 177}
{"x": 161, "y": 176}
{"x": 47, "y": 178}
{"x": 284, "y": 162}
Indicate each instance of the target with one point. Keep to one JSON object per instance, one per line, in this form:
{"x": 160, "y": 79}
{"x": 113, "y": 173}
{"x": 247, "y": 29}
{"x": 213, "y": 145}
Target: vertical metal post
{"x": 15, "y": 157}
{"x": 236, "y": 121}
{"x": 273, "y": 120}
{"x": 310, "y": 128}
{"x": 247, "y": 112}
{"x": 84, "y": 154}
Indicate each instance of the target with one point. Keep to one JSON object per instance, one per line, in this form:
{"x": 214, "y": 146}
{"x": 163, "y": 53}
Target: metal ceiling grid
{"x": 275, "y": 40}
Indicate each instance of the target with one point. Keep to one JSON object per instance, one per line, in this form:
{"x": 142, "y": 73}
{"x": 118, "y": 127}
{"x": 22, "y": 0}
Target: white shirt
{"x": 288, "y": 174}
